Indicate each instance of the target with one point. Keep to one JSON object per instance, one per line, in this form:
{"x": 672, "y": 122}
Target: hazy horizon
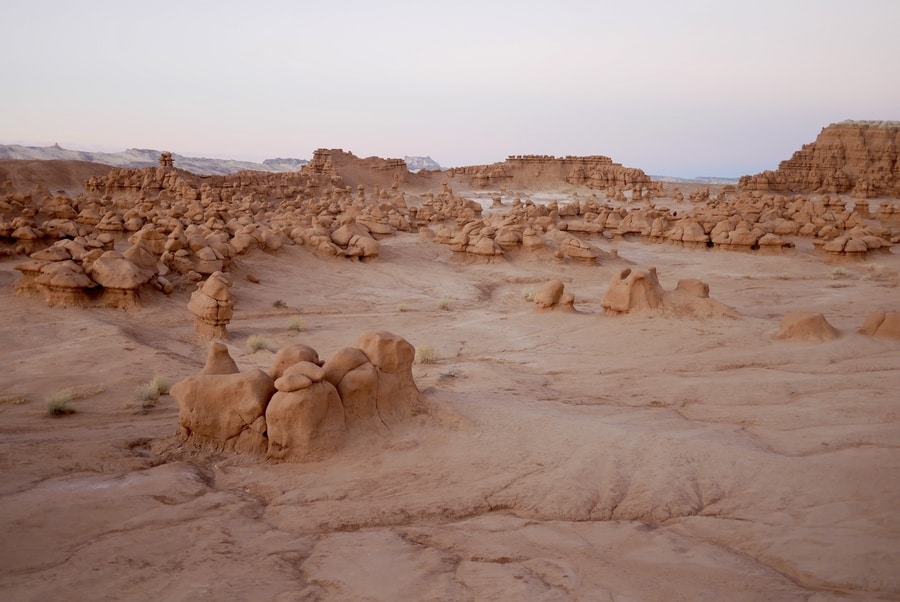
{"x": 679, "y": 89}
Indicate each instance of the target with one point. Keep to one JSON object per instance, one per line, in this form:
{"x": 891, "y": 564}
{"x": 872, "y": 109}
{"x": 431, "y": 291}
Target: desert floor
{"x": 563, "y": 456}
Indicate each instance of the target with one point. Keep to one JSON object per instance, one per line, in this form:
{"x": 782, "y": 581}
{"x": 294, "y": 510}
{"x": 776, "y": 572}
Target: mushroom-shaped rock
{"x": 578, "y": 249}
{"x": 224, "y": 411}
{"x": 63, "y": 283}
{"x": 633, "y": 290}
{"x": 119, "y": 278}
{"x": 289, "y": 355}
{"x": 805, "y": 326}
{"x": 219, "y": 361}
{"x": 113, "y": 270}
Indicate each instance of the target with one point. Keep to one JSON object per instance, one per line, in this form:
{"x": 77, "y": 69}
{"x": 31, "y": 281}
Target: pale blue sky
{"x": 675, "y": 88}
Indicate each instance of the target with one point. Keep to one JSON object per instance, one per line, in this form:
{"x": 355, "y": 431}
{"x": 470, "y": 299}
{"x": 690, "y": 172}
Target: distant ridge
{"x": 697, "y": 180}
{"x": 142, "y": 157}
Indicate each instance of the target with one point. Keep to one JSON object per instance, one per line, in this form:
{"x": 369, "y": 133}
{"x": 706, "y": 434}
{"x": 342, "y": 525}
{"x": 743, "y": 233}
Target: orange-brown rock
{"x": 633, "y": 290}
{"x": 224, "y": 411}
{"x": 212, "y": 306}
{"x": 640, "y": 291}
{"x": 552, "y": 295}
{"x": 885, "y": 324}
{"x": 806, "y": 326}
{"x": 859, "y": 157}
{"x": 530, "y": 171}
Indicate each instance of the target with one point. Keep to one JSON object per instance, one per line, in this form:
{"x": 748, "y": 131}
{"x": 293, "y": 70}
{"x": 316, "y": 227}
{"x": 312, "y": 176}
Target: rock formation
{"x": 301, "y": 409}
{"x": 633, "y": 291}
{"x": 528, "y": 171}
{"x": 806, "y": 326}
{"x": 552, "y": 295}
{"x": 882, "y": 324}
{"x": 858, "y": 157}
{"x": 212, "y": 306}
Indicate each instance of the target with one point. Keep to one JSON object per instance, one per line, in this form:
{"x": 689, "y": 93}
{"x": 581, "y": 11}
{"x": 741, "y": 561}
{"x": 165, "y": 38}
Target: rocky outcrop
{"x": 882, "y": 324}
{"x": 301, "y": 409}
{"x": 212, "y": 306}
{"x": 858, "y": 157}
{"x": 805, "y": 326}
{"x": 530, "y": 171}
{"x": 639, "y": 291}
{"x": 553, "y": 295}
{"x": 224, "y": 411}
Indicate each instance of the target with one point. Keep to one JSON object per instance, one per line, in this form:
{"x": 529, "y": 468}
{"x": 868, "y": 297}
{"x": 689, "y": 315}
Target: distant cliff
{"x": 858, "y": 157}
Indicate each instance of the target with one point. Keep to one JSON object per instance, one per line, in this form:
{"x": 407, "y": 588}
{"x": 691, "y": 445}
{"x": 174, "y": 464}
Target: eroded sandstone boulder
{"x": 805, "y": 326}
{"x": 225, "y": 411}
{"x": 883, "y": 324}
{"x": 212, "y": 306}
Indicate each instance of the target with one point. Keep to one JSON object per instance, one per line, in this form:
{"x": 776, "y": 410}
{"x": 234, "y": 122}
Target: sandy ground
{"x": 564, "y": 456}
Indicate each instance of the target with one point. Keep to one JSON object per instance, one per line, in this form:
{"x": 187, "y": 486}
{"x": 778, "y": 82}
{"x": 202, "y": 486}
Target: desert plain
{"x": 678, "y": 451}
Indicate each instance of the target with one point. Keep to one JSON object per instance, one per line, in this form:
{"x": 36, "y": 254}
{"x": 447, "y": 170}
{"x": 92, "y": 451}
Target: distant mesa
{"x": 855, "y": 157}
{"x": 523, "y": 171}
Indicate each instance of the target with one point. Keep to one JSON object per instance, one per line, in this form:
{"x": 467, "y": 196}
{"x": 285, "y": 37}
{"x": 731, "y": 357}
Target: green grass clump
{"x": 256, "y": 342}
{"x": 297, "y": 324}
{"x": 426, "y": 354}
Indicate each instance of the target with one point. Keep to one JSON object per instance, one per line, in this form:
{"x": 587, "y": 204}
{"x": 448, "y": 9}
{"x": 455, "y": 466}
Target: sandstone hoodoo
{"x": 639, "y": 291}
{"x": 858, "y": 157}
{"x": 213, "y": 306}
{"x": 302, "y": 409}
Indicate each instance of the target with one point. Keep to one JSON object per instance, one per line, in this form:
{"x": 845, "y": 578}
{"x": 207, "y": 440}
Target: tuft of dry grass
{"x": 444, "y": 304}
{"x": 528, "y": 294}
{"x": 160, "y": 385}
{"x": 838, "y": 272}
{"x": 59, "y": 404}
{"x": 426, "y": 354}
{"x": 146, "y": 397}
{"x": 256, "y": 342}
{"x": 279, "y": 304}
{"x": 297, "y": 324}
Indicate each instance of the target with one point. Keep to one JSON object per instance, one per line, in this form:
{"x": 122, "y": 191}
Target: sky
{"x": 674, "y": 87}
